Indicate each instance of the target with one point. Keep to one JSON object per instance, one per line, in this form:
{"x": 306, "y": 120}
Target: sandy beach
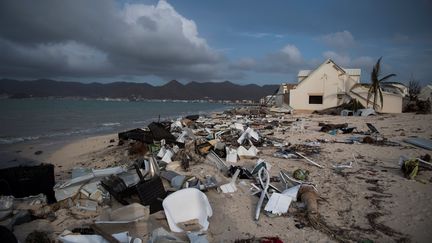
{"x": 372, "y": 200}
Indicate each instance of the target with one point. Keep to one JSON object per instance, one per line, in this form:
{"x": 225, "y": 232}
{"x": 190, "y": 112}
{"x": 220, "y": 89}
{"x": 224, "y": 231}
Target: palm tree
{"x": 375, "y": 86}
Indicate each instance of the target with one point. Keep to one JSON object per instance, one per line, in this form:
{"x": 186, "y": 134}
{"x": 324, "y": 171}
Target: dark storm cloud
{"x": 100, "y": 38}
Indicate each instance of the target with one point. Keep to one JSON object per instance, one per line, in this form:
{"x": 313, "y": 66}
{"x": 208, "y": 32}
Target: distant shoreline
{"x": 225, "y": 102}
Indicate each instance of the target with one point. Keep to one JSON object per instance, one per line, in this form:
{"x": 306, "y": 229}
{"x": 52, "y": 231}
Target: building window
{"x": 315, "y": 99}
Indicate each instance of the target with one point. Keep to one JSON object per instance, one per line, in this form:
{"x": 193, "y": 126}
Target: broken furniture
{"x": 187, "y": 209}
{"x": 231, "y": 187}
{"x": 130, "y": 213}
{"x": 159, "y": 132}
{"x": 23, "y": 181}
{"x": 85, "y": 181}
{"x": 263, "y": 175}
{"x": 359, "y": 112}
{"x": 151, "y": 192}
{"x": 213, "y": 158}
{"x": 117, "y": 188}
{"x": 249, "y": 134}
{"x": 137, "y": 134}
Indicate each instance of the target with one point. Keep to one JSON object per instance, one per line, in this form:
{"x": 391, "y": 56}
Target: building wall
{"x": 356, "y": 78}
{"x": 392, "y": 102}
{"x": 326, "y": 81}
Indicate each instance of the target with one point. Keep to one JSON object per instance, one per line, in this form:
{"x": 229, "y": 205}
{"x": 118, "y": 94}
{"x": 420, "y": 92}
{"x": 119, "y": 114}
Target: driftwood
{"x": 309, "y": 196}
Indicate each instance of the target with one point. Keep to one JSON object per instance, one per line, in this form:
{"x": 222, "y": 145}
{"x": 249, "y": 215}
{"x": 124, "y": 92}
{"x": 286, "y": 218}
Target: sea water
{"x": 24, "y": 120}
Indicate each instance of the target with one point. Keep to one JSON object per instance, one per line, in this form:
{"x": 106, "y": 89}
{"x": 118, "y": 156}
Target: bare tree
{"x": 414, "y": 89}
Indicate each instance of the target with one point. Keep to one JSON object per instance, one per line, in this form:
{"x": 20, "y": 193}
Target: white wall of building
{"x": 392, "y": 102}
{"x": 327, "y": 80}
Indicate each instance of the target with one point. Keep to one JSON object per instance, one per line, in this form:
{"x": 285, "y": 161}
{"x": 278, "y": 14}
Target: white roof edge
{"x": 304, "y": 73}
{"x": 349, "y": 71}
{"x": 353, "y": 71}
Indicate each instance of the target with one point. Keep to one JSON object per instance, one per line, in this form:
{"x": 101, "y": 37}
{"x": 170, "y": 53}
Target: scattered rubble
{"x": 159, "y": 177}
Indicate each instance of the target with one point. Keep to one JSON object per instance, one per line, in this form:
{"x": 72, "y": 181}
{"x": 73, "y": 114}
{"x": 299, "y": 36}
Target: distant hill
{"x": 171, "y": 90}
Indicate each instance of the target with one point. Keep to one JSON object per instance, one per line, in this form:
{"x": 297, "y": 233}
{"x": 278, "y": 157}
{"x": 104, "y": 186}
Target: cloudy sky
{"x": 244, "y": 41}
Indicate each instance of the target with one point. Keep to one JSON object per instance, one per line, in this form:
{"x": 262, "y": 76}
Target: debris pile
{"x": 156, "y": 178}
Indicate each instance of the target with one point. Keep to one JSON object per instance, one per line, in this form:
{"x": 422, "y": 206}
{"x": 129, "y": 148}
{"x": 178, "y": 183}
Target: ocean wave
{"x": 111, "y": 124}
{"x": 13, "y": 140}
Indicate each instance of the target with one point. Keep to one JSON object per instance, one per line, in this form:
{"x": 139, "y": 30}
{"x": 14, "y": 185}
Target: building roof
{"x": 353, "y": 71}
{"x": 385, "y": 89}
{"x": 349, "y": 71}
{"x": 304, "y": 73}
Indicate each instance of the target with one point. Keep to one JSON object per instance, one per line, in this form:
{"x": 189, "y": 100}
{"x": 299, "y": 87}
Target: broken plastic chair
{"x": 365, "y": 112}
{"x": 187, "y": 205}
{"x": 231, "y": 155}
{"x": 260, "y": 164}
{"x": 249, "y": 133}
{"x": 263, "y": 174}
{"x": 213, "y": 158}
{"x": 288, "y": 180}
{"x": 242, "y": 152}
{"x": 231, "y": 187}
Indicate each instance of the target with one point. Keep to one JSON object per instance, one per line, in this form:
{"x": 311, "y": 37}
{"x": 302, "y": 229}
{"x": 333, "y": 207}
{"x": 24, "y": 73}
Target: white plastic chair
{"x": 187, "y": 204}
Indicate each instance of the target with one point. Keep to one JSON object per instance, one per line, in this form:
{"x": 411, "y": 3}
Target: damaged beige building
{"x": 330, "y": 85}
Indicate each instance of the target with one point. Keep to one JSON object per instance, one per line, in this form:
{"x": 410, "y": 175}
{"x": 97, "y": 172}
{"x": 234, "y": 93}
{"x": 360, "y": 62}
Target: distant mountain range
{"x": 172, "y": 90}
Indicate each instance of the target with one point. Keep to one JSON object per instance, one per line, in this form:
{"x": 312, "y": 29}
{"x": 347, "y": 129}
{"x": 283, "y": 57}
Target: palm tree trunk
{"x": 375, "y": 100}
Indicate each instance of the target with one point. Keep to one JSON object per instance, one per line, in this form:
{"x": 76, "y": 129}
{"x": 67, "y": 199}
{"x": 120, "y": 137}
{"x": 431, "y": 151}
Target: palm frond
{"x": 384, "y": 84}
{"x": 378, "y": 67}
{"x": 359, "y": 85}
{"x": 387, "y": 77}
